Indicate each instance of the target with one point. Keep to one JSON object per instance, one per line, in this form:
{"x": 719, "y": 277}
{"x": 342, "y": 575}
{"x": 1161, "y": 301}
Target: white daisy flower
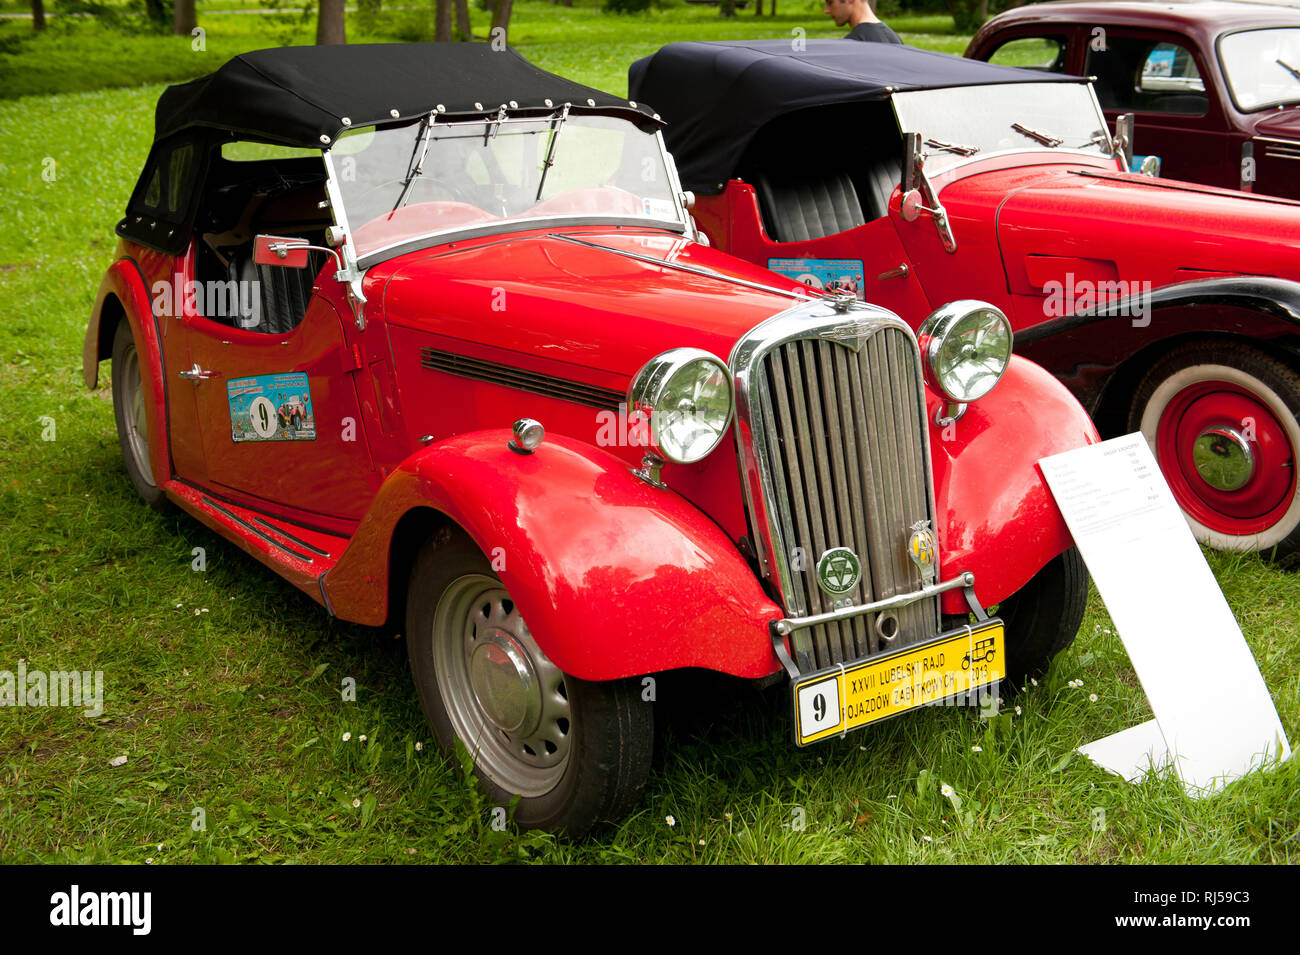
{"x": 977, "y": 749}
{"x": 670, "y": 820}
{"x": 346, "y": 737}
{"x": 419, "y": 747}
{"x": 946, "y": 791}
{"x": 1092, "y": 697}
{"x": 356, "y": 803}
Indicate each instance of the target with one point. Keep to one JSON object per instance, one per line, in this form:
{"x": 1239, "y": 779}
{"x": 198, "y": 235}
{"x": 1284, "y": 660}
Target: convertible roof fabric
{"x": 715, "y": 96}
{"x": 306, "y": 96}
{"x": 301, "y": 95}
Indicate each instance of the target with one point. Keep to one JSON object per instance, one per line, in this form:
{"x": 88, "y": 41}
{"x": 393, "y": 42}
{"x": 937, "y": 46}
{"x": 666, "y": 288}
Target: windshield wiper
{"x": 416, "y": 166}
{"x": 1289, "y": 68}
{"x": 549, "y": 161}
{"x": 1042, "y": 138}
{"x": 957, "y": 148}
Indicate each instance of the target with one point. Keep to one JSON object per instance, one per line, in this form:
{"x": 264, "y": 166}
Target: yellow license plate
{"x": 948, "y": 668}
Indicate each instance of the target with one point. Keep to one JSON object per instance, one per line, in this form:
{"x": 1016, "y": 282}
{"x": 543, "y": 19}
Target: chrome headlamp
{"x": 967, "y": 347}
{"x": 686, "y": 394}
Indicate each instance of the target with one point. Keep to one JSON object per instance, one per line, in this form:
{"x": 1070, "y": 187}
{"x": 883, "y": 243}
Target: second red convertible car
{"x": 1168, "y": 308}
{"x": 1213, "y": 87}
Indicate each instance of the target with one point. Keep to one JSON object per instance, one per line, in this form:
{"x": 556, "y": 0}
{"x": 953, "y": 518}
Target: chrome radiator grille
{"x": 835, "y": 415}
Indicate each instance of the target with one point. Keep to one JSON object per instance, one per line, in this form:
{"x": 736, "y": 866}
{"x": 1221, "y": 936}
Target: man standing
{"x": 858, "y": 15}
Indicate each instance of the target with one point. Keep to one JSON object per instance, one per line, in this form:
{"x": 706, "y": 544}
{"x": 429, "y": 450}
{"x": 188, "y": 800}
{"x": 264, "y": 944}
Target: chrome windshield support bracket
{"x": 919, "y": 194}
{"x": 789, "y": 625}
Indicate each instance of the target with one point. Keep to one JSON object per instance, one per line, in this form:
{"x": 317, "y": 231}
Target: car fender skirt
{"x": 615, "y": 578}
{"x": 996, "y": 515}
{"x": 124, "y": 282}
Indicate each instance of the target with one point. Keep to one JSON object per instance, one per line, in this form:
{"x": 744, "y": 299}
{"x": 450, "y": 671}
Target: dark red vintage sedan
{"x": 1213, "y": 86}
{"x": 428, "y": 332}
{"x": 1168, "y": 308}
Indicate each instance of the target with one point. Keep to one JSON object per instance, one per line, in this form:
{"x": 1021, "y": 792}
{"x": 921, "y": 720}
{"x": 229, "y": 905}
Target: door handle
{"x": 196, "y": 373}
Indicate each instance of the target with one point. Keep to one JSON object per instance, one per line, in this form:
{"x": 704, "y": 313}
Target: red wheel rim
{"x": 1265, "y": 497}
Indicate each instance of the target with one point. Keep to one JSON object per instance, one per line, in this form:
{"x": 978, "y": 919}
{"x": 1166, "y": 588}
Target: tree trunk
{"x": 331, "y": 25}
{"x": 184, "y": 19}
{"x": 501, "y": 18}
{"x": 758, "y": 7}
{"x": 38, "y": 14}
{"x": 442, "y": 21}
{"x": 462, "y": 21}
{"x": 727, "y": 8}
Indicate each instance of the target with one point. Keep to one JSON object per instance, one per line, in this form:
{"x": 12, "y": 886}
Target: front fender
{"x": 124, "y": 282}
{"x": 1087, "y": 348}
{"x": 614, "y": 577}
{"x": 996, "y": 515}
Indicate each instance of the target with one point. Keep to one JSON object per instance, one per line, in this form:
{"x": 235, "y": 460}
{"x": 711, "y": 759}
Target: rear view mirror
{"x": 291, "y": 253}
{"x": 913, "y": 159}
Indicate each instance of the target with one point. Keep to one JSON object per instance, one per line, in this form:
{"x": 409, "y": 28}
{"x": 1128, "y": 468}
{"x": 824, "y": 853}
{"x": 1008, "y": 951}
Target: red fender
{"x": 614, "y": 577}
{"x": 124, "y": 281}
{"x": 996, "y": 516}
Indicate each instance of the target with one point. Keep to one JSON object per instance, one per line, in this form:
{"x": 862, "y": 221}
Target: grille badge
{"x": 922, "y": 548}
{"x": 838, "y": 571}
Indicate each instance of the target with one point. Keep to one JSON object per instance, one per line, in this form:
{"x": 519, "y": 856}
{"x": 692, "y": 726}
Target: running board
{"x": 300, "y": 554}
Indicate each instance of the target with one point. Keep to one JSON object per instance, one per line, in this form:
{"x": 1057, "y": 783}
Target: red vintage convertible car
{"x": 1213, "y": 87}
{"x": 1168, "y": 308}
{"x": 559, "y": 443}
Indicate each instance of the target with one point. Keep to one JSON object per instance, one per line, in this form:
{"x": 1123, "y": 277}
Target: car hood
{"x": 603, "y": 300}
{"x": 1105, "y": 226}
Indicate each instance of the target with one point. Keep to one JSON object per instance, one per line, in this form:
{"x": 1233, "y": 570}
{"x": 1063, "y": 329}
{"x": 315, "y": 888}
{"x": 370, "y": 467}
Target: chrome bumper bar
{"x": 789, "y": 625}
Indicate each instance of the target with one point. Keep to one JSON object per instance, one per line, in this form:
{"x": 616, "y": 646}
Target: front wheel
{"x": 1043, "y": 617}
{"x": 575, "y": 752}
{"x": 1221, "y": 420}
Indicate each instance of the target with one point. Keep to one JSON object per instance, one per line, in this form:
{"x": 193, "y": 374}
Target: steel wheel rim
{"x": 1256, "y": 516}
{"x": 137, "y": 421}
{"x": 479, "y": 641}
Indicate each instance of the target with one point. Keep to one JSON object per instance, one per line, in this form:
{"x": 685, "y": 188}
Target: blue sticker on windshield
{"x": 824, "y": 275}
{"x": 271, "y": 408}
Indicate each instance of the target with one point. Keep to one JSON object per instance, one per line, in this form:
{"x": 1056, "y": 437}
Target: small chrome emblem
{"x": 923, "y": 549}
{"x": 838, "y": 571}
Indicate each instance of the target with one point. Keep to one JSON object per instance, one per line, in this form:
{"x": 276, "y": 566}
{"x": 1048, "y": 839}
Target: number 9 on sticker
{"x": 819, "y": 706}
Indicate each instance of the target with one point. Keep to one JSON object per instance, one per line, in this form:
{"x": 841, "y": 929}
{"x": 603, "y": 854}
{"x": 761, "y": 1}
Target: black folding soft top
{"x": 302, "y": 95}
{"x": 715, "y": 96}
{"x": 306, "y": 96}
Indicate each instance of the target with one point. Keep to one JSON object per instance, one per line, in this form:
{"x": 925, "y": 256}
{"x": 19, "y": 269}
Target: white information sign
{"x": 1214, "y": 719}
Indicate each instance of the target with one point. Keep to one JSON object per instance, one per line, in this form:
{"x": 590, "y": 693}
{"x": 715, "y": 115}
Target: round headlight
{"x": 967, "y": 346}
{"x": 686, "y": 394}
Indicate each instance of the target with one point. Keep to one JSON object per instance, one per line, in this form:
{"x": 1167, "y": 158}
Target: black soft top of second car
{"x": 715, "y": 96}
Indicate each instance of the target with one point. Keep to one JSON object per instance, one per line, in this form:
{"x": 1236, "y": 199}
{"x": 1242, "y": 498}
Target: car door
{"x": 279, "y": 419}
{"x": 1161, "y": 78}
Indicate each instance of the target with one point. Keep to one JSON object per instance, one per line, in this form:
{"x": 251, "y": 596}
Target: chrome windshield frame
{"x": 362, "y": 262}
{"x": 1061, "y": 154}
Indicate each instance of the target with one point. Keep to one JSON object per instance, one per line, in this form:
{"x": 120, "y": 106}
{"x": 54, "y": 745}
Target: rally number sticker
{"x": 271, "y": 408}
{"x": 824, "y": 275}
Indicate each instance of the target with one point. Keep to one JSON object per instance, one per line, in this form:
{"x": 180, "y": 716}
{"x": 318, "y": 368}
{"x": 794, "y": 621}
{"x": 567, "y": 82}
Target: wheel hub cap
{"x": 1223, "y": 458}
{"x": 505, "y": 683}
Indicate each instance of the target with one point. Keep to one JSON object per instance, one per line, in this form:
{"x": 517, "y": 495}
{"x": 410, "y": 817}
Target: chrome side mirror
{"x": 1124, "y": 139}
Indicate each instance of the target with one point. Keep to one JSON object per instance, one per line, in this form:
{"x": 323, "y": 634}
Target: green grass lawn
{"x": 223, "y": 686}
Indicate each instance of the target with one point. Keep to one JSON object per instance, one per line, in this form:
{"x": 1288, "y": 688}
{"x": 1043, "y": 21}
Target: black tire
{"x": 1043, "y": 617}
{"x": 603, "y": 741}
{"x": 296, "y": 421}
{"x": 1207, "y": 385}
{"x": 132, "y": 423}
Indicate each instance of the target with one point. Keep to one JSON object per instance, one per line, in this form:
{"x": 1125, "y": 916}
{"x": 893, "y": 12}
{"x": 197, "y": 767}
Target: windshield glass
{"x": 971, "y": 121}
{"x": 1262, "y": 67}
{"x": 402, "y": 184}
